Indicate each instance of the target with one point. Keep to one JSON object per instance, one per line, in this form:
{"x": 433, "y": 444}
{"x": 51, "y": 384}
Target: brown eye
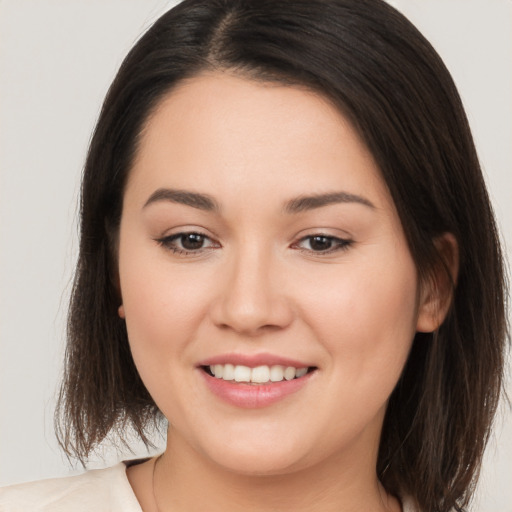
{"x": 323, "y": 244}
{"x": 192, "y": 241}
{"x": 189, "y": 243}
{"x": 320, "y": 243}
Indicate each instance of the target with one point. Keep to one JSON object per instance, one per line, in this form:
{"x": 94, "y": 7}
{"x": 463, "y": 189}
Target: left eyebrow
{"x": 303, "y": 203}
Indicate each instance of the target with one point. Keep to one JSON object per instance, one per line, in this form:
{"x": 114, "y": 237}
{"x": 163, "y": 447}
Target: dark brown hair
{"x": 387, "y": 79}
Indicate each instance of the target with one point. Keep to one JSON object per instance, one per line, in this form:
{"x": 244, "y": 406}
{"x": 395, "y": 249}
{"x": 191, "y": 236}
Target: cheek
{"x": 366, "y": 324}
{"x": 367, "y": 321}
{"x": 163, "y": 303}
{"x": 165, "y": 306}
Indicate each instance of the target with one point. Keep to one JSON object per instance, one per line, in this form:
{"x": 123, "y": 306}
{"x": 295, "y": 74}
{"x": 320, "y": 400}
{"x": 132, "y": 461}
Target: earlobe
{"x": 120, "y": 312}
{"x": 437, "y": 291}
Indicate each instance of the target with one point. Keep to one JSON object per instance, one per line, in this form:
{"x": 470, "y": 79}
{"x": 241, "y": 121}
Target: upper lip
{"x": 253, "y": 360}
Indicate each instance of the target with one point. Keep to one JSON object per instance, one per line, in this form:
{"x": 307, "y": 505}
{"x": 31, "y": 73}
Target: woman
{"x": 287, "y": 250}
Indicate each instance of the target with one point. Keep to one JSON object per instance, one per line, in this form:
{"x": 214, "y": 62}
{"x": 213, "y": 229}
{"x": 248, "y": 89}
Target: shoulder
{"x": 105, "y": 490}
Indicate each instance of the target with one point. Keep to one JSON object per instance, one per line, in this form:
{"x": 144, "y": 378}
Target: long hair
{"x": 382, "y": 74}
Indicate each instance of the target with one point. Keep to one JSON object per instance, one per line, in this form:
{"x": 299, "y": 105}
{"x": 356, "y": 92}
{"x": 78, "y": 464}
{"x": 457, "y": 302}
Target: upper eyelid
{"x": 188, "y": 228}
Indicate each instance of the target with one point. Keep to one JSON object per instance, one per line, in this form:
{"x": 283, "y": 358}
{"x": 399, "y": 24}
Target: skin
{"x": 257, "y": 285}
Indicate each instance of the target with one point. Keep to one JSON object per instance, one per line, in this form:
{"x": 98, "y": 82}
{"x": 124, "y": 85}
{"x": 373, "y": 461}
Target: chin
{"x": 259, "y": 465}
{"x": 257, "y": 458}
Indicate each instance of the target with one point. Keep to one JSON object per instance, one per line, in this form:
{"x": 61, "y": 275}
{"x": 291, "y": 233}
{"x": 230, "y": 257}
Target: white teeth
{"x": 242, "y": 374}
{"x": 229, "y": 372}
{"x": 301, "y": 372}
{"x": 276, "y": 373}
{"x": 258, "y": 375}
{"x": 289, "y": 373}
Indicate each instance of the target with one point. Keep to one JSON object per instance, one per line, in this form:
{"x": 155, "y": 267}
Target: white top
{"x": 100, "y": 490}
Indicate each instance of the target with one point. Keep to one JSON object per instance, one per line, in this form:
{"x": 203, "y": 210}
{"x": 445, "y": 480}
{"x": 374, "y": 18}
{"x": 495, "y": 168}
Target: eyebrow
{"x": 304, "y": 203}
{"x": 193, "y": 199}
{"x": 296, "y": 205}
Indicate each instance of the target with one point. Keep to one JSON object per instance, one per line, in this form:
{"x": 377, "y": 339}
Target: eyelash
{"x": 341, "y": 244}
{"x": 168, "y": 243}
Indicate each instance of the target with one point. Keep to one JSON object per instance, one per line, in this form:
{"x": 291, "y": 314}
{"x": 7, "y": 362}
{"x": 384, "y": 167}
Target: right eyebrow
{"x": 193, "y": 199}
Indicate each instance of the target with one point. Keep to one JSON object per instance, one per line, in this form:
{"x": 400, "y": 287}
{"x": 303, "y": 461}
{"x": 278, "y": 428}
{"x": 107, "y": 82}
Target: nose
{"x": 251, "y": 298}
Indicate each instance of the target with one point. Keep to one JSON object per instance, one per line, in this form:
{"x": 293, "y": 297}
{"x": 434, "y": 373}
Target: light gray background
{"x": 57, "y": 58}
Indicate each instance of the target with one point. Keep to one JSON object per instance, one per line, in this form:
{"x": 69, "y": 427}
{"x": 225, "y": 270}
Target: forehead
{"x": 218, "y": 128}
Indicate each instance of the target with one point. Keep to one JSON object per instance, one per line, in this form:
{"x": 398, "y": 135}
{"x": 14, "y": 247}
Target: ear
{"x": 437, "y": 290}
{"x": 120, "y": 312}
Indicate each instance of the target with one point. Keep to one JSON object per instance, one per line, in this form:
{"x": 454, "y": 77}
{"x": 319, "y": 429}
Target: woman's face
{"x": 258, "y": 235}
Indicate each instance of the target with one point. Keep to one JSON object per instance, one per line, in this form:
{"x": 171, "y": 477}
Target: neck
{"x": 186, "y": 481}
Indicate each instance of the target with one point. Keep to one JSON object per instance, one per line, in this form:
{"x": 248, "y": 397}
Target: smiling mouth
{"x": 258, "y": 375}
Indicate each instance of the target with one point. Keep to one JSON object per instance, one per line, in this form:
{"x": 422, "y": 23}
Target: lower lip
{"x": 253, "y": 396}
